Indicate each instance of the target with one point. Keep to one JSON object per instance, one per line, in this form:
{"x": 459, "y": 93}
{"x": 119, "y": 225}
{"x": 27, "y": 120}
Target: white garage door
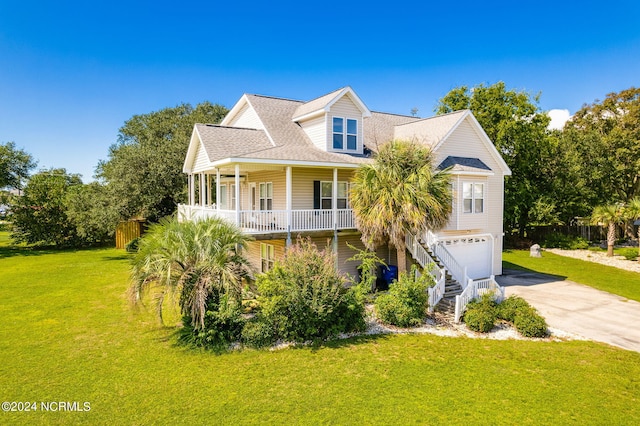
{"x": 472, "y": 252}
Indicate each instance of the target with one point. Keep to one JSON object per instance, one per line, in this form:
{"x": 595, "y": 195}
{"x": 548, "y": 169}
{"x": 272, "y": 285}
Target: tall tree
{"x": 399, "y": 193}
{"x": 15, "y": 165}
{"x": 39, "y": 215}
{"x": 90, "y": 209}
{"x": 605, "y": 136}
{"x": 144, "y": 169}
{"x": 517, "y": 126}
{"x": 633, "y": 213}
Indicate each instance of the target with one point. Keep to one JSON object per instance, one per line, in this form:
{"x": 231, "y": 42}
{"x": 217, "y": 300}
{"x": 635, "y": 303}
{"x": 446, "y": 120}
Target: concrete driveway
{"x": 577, "y": 308}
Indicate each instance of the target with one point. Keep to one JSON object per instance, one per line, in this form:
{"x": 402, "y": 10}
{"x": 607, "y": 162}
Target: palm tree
{"x": 399, "y": 193}
{"x": 609, "y": 216}
{"x": 193, "y": 259}
{"x": 633, "y": 213}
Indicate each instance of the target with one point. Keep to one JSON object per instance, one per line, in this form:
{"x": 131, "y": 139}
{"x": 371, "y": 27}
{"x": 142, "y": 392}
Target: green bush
{"x": 132, "y": 246}
{"x": 481, "y": 315}
{"x": 223, "y": 323}
{"x": 529, "y": 323}
{"x": 406, "y": 302}
{"x": 304, "y": 298}
{"x": 257, "y": 334}
{"x": 566, "y": 242}
{"x": 629, "y": 253}
{"x": 509, "y": 307}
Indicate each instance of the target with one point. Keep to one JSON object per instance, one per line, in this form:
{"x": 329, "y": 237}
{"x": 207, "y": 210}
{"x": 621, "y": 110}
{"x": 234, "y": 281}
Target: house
{"x": 279, "y": 168}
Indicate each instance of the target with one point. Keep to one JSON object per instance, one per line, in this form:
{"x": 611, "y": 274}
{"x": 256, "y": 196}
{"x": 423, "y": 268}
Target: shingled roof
{"x": 464, "y": 164}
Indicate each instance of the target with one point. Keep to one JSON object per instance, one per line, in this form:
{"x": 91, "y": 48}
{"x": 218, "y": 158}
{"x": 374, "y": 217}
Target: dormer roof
{"x": 323, "y": 104}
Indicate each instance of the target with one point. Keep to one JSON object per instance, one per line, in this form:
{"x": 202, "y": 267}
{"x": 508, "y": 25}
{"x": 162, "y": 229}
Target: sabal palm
{"x": 633, "y": 213}
{"x": 609, "y": 216}
{"x": 192, "y": 259}
{"x": 399, "y": 193}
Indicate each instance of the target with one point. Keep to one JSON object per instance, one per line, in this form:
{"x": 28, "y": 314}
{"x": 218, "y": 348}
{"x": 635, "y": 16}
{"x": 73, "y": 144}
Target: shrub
{"x": 132, "y": 246}
{"x": 304, "y": 298}
{"x": 223, "y": 323}
{"x": 629, "y": 253}
{"x": 257, "y": 334}
{"x": 481, "y": 315}
{"x": 509, "y": 307}
{"x": 566, "y": 242}
{"x": 529, "y": 323}
{"x": 406, "y": 302}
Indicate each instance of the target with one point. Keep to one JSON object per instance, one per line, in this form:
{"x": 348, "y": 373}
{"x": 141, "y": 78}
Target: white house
{"x": 279, "y": 168}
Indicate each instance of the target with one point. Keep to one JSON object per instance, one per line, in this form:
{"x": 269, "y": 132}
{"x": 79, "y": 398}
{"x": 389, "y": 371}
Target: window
{"x": 266, "y": 196}
{"x": 222, "y": 199}
{"x": 473, "y": 197}
{"x": 326, "y": 195}
{"x": 232, "y": 188}
{"x": 339, "y": 134}
{"x": 267, "y": 256}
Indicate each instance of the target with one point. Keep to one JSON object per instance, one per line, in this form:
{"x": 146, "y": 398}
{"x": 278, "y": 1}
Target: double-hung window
{"x": 266, "y": 196}
{"x": 473, "y": 197}
{"x": 267, "y": 256}
{"x": 326, "y": 195}
{"x": 222, "y": 197}
{"x": 345, "y": 130}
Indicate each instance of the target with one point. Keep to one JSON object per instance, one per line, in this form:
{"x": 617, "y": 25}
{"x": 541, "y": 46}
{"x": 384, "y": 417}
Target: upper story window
{"x": 345, "y": 134}
{"x": 473, "y": 197}
{"x": 326, "y": 195}
{"x": 266, "y": 196}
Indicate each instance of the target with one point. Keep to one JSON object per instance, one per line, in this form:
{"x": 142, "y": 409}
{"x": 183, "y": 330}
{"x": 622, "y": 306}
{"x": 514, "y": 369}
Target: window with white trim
{"x": 222, "y": 197}
{"x": 473, "y": 197}
{"x": 232, "y": 189}
{"x": 266, "y": 196}
{"x": 267, "y": 256}
{"x": 342, "y": 132}
{"x": 326, "y": 195}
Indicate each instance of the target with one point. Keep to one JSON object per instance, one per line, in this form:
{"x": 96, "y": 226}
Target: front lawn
{"x": 607, "y": 278}
{"x": 68, "y": 334}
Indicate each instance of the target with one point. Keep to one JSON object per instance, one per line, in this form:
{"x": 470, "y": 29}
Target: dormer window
{"x": 342, "y": 133}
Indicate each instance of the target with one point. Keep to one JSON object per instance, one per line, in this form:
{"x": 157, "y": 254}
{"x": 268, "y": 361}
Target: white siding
{"x": 246, "y": 118}
{"x": 466, "y": 142}
{"x": 201, "y": 161}
{"x": 344, "y": 108}
{"x": 317, "y": 131}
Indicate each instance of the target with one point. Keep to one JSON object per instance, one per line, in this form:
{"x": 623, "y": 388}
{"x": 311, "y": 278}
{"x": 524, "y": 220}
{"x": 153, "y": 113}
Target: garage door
{"x": 474, "y": 253}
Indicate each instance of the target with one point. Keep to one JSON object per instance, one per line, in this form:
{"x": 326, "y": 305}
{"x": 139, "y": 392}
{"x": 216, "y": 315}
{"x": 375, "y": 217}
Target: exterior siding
{"x": 253, "y": 252}
{"x": 344, "y": 108}
{"x": 247, "y": 118}
{"x": 316, "y": 130}
{"x": 201, "y": 162}
{"x": 466, "y": 142}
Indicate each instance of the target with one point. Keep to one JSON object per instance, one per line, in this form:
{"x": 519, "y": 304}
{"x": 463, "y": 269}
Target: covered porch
{"x": 272, "y": 198}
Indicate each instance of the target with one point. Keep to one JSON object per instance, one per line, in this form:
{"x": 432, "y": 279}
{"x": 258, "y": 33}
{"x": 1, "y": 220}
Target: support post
{"x": 237, "y": 194}
{"x": 218, "y": 189}
{"x": 334, "y": 199}
{"x": 289, "y": 203}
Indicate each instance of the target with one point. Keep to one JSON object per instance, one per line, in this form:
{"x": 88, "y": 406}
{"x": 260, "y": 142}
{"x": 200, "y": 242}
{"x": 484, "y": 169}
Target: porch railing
{"x": 272, "y": 221}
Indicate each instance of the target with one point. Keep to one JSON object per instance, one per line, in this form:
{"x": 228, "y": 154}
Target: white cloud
{"x": 558, "y": 118}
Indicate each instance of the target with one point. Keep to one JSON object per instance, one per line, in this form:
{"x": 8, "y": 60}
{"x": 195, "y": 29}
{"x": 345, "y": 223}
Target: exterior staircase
{"x": 452, "y": 288}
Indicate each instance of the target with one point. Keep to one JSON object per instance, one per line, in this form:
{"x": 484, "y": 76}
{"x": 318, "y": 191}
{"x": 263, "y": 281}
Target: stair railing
{"x": 458, "y": 271}
{"x": 436, "y": 293}
{"x": 474, "y": 290}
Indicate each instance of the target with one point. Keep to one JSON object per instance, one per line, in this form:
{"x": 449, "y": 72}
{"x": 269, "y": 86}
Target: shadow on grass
{"x": 12, "y": 251}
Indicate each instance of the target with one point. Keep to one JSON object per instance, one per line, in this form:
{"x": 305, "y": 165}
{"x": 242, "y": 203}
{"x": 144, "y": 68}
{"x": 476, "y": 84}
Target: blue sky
{"x": 71, "y": 73}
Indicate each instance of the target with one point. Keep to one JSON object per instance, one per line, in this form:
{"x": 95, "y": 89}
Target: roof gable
{"x": 323, "y": 104}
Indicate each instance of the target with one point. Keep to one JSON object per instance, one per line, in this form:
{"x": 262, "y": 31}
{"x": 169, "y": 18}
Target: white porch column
{"x": 192, "y": 200}
{"x": 217, "y": 188}
{"x": 334, "y": 199}
{"x": 201, "y": 181}
{"x": 237, "y": 206}
{"x": 288, "y": 192}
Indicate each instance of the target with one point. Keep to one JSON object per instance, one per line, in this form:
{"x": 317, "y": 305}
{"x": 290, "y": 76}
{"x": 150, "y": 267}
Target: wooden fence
{"x": 127, "y": 231}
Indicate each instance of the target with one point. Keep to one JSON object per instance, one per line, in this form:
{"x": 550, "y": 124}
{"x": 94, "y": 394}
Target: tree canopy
{"x": 143, "y": 173}
{"x": 15, "y": 166}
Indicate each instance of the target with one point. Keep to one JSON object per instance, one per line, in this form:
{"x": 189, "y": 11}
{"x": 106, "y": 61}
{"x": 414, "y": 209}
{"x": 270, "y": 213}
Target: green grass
{"x": 68, "y": 334}
{"x": 607, "y": 278}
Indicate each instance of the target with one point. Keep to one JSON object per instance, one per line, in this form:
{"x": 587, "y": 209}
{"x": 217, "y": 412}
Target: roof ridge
{"x": 435, "y": 116}
{"x": 397, "y": 115}
{"x": 328, "y": 93}
{"x": 228, "y": 127}
{"x": 275, "y": 97}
